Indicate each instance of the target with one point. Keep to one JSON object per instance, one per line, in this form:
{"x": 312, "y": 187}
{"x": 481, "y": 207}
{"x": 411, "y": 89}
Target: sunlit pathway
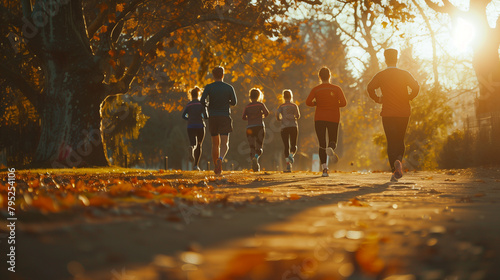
{"x": 430, "y": 225}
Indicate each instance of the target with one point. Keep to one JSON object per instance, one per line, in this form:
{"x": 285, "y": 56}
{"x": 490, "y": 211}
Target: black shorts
{"x": 220, "y": 125}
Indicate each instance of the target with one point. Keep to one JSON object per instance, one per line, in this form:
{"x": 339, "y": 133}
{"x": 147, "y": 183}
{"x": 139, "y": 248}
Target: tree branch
{"x": 447, "y": 8}
{"x": 124, "y": 83}
{"x": 20, "y": 83}
{"x": 433, "y": 41}
{"x": 96, "y": 24}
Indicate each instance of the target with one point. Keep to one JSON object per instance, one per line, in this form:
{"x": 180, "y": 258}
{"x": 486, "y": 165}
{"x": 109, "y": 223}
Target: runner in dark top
{"x": 195, "y": 113}
{"x": 254, "y": 113}
{"x": 396, "y": 110}
{"x": 288, "y": 113}
{"x": 220, "y": 97}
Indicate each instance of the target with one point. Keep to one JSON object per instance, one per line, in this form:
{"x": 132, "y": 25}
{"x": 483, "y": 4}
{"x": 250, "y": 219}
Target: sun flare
{"x": 464, "y": 34}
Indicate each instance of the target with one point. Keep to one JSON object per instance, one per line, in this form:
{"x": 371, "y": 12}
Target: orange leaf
{"x": 103, "y": 7}
{"x": 355, "y": 202}
{"x": 143, "y": 193}
{"x": 44, "y": 203}
{"x": 119, "y": 7}
{"x": 167, "y": 200}
{"x": 101, "y": 201}
{"x": 166, "y": 189}
{"x": 294, "y": 196}
{"x": 265, "y": 190}
{"x": 111, "y": 17}
{"x": 121, "y": 189}
{"x": 104, "y": 28}
{"x": 68, "y": 201}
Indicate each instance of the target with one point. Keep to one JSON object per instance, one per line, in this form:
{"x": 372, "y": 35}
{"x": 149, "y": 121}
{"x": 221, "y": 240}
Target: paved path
{"x": 430, "y": 225}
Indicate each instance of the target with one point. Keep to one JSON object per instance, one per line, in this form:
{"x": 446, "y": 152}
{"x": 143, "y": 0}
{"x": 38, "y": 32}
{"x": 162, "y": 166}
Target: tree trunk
{"x": 486, "y": 64}
{"x": 73, "y": 89}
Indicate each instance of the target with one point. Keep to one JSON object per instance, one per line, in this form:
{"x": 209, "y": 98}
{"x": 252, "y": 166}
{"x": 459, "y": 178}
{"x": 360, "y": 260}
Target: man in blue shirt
{"x": 220, "y": 96}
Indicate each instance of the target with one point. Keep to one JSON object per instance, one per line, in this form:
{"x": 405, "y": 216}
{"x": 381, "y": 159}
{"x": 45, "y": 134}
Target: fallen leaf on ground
{"x": 265, "y": 190}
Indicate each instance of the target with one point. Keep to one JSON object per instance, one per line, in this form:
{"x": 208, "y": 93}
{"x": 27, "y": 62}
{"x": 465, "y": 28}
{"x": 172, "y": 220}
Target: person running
{"x": 328, "y": 99}
{"x": 254, "y": 113}
{"x": 288, "y": 114}
{"x": 220, "y": 96}
{"x": 396, "y": 110}
{"x": 195, "y": 113}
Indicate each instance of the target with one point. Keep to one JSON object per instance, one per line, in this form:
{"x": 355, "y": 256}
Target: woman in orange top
{"x": 328, "y": 99}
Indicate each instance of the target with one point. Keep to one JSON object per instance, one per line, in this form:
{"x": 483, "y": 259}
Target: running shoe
{"x": 290, "y": 158}
{"x": 196, "y": 168}
{"x": 325, "y": 173}
{"x": 218, "y": 166}
{"x": 331, "y": 153}
{"x": 255, "y": 164}
{"x": 398, "y": 172}
{"x": 288, "y": 167}
{"x": 393, "y": 179}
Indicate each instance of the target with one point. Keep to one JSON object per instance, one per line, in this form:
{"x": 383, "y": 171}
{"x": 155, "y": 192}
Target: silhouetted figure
{"x": 395, "y": 99}
{"x": 254, "y": 112}
{"x": 195, "y": 113}
{"x": 220, "y": 96}
{"x": 288, "y": 113}
{"x": 328, "y": 99}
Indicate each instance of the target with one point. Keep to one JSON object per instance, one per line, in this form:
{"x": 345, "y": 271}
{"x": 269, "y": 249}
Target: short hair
{"x": 255, "y": 94}
{"x": 195, "y": 93}
{"x": 324, "y": 74}
{"x": 218, "y": 72}
{"x": 287, "y": 94}
{"x": 391, "y": 56}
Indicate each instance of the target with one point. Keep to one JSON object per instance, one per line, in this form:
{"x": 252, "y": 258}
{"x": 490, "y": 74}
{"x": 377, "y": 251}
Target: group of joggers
{"x": 328, "y": 98}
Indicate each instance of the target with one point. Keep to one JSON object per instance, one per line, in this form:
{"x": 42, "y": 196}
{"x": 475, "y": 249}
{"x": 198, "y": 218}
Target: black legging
{"x": 321, "y": 127}
{"x": 289, "y": 137}
{"x": 255, "y": 137}
{"x": 395, "y": 130}
{"x": 196, "y": 136}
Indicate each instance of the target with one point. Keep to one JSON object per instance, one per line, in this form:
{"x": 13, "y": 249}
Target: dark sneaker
{"x": 325, "y": 172}
{"x": 288, "y": 167}
{"x": 196, "y": 168}
{"x": 398, "y": 172}
{"x": 218, "y": 166}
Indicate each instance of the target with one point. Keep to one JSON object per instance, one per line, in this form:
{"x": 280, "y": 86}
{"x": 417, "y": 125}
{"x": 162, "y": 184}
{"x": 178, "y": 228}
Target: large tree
{"x": 67, "y": 56}
{"x": 486, "y": 58}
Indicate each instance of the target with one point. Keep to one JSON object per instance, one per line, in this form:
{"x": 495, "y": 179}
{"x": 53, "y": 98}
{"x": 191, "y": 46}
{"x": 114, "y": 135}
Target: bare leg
{"x": 215, "y": 147}
{"x": 224, "y": 145}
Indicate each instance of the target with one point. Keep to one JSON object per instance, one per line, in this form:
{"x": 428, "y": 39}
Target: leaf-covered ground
{"x": 135, "y": 224}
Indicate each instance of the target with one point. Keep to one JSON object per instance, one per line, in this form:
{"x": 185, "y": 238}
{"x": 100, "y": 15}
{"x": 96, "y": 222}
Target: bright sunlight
{"x": 463, "y": 35}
